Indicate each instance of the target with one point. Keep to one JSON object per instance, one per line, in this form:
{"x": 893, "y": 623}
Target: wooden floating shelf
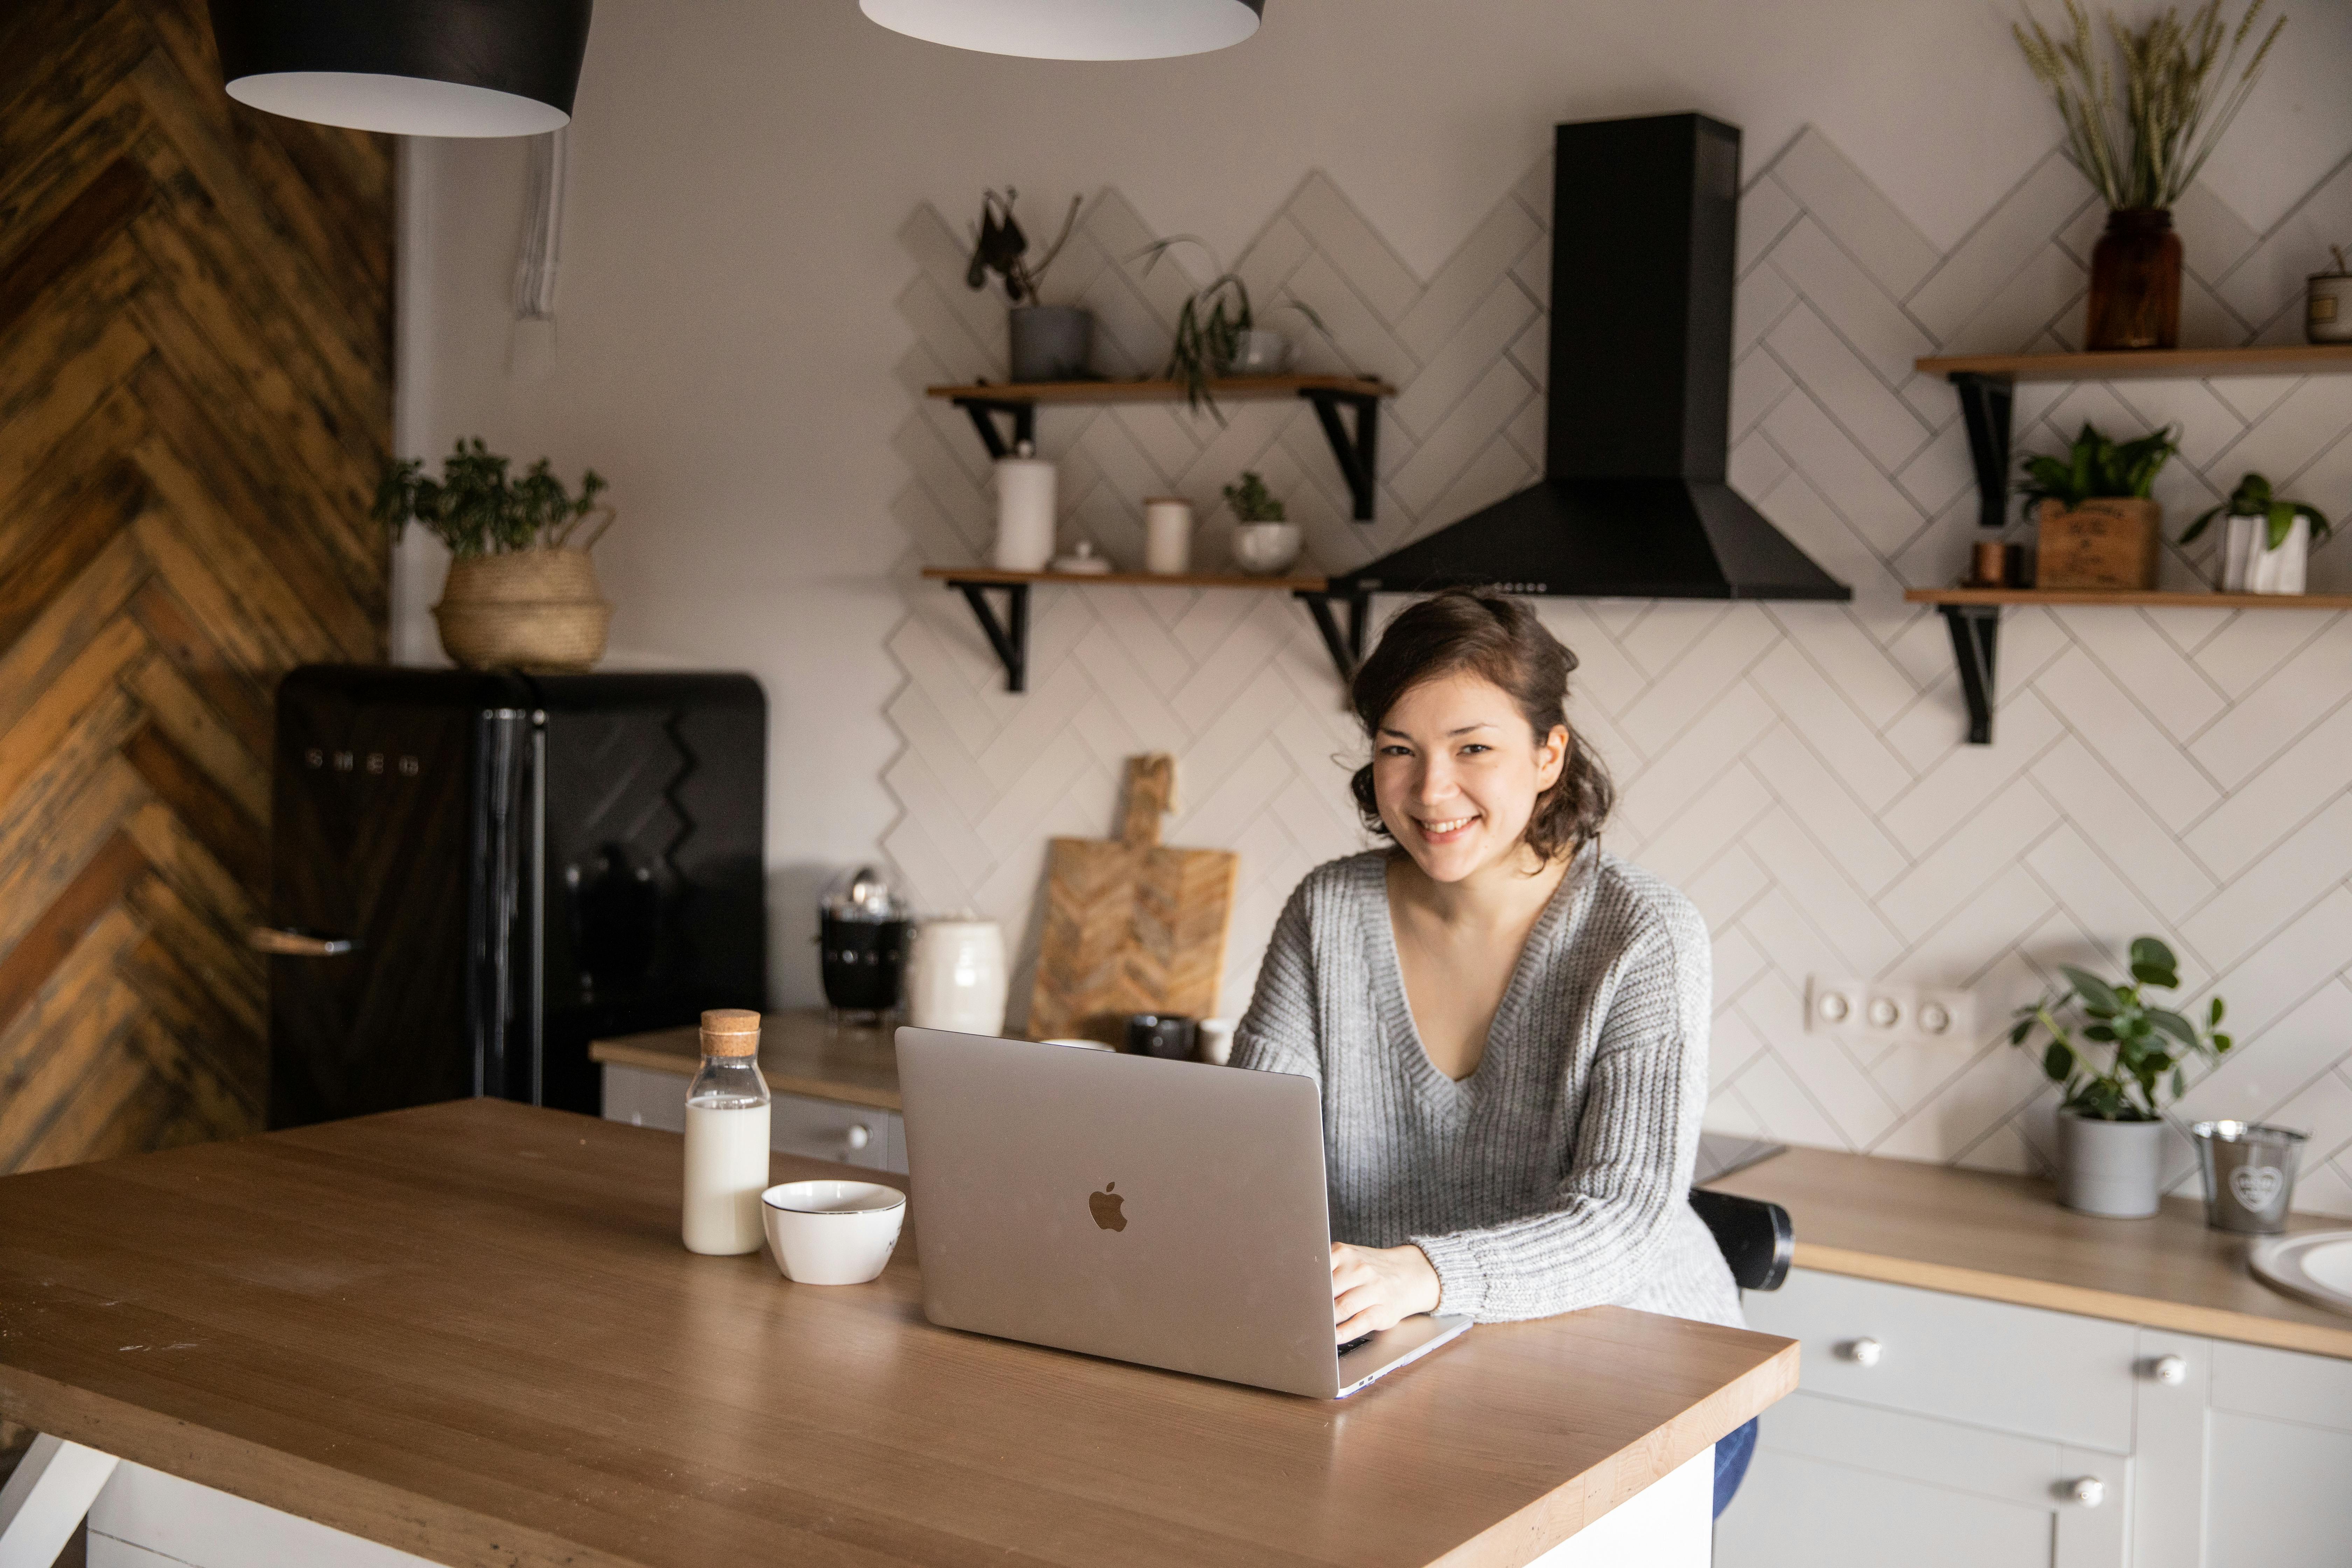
{"x": 1010, "y": 636}
{"x": 1235, "y": 389}
{"x": 994, "y": 577}
{"x": 2153, "y": 598}
{"x": 2145, "y": 364}
{"x": 1973, "y": 617}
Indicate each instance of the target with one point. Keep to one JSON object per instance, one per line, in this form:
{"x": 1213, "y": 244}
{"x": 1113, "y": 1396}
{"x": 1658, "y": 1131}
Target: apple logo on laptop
{"x": 1104, "y": 1205}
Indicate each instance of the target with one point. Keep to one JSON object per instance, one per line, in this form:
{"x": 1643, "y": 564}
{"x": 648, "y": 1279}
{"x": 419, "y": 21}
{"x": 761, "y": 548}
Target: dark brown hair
{"x": 1499, "y": 639}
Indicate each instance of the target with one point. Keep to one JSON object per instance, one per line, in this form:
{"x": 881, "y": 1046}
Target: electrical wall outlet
{"x": 1868, "y": 1009}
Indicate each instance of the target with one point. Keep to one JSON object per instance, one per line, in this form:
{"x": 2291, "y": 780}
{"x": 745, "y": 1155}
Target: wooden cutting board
{"x": 1132, "y": 926}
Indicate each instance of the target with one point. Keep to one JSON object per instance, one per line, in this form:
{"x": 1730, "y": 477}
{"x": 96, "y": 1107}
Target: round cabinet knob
{"x": 2090, "y": 1492}
{"x": 1864, "y": 1352}
{"x": 2170, "y": 1369}
{"x": 859, "y": 1136}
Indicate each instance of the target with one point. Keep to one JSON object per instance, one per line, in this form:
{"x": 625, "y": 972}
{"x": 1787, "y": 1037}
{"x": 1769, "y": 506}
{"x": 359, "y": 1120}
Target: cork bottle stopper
{"x": 730, "y": 1032}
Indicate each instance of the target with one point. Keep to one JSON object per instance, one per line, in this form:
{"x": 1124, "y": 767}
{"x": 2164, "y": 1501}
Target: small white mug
{"x": 1215, "y": 1040}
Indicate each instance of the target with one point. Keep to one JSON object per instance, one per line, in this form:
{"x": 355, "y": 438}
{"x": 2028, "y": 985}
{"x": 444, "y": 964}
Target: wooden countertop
{"x": 2006, "y": 1239}
{"x": 799, "y": 1053}
{"x": 468, "y": 1331}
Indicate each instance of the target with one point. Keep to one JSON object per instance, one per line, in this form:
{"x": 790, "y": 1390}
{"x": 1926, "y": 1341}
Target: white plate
{"x": 2316, "y": 1266}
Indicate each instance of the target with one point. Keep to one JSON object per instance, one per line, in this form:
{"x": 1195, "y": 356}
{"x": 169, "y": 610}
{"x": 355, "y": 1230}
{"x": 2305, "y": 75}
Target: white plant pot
{"x": 2109, "y": 1168}
{"x": 2248, "y": 568}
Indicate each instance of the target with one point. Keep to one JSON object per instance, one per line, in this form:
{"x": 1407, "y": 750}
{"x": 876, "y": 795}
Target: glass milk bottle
{"x": 726, "y": 1137}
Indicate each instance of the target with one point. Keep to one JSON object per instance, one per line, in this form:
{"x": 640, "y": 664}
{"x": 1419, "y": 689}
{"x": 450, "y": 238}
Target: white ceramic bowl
{"x": 832, "y": 1232}
{"x": 1266, "y": 549}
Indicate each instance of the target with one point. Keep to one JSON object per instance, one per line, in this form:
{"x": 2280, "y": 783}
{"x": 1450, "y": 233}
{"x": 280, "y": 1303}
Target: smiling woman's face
{"x": 1457, "y": 772}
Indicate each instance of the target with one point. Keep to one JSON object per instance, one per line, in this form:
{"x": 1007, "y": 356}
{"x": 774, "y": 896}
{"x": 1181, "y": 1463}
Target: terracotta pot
{"x": 2136, "y": 282}
{"x": 2106, "y": 543}
{"x": 528, "y": 609}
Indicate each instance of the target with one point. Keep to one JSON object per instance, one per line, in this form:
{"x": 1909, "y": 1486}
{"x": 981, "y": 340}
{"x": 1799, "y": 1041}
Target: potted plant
{"x": 2266, "y": 542}
{"x": 522, "y": 590}
{"x": 1049, "y": 342}
{"x": 2178, "y": 99}
{"x": 1264, "y": 542}
{"x": 2111, "y": 1122}
{"x": 2098, "y": 521}
{"x": 1217, "y": 332}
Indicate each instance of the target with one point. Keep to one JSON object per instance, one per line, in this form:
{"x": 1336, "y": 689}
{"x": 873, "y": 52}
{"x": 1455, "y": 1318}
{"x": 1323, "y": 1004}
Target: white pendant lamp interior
{"x": 412, "y": 67}
{"x": 1074, "y": 29}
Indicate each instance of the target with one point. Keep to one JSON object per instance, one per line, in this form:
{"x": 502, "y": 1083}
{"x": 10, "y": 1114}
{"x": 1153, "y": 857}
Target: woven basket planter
{"x": 528, "y": 609}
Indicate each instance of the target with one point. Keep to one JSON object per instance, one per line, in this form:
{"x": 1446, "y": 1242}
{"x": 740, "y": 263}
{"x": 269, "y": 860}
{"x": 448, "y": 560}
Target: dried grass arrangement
{"x": 2179, "y": 95}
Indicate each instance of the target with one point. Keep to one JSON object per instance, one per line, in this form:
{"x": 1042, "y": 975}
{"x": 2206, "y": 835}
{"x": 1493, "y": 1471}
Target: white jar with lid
{"x": 956, "y": 976}
{"x": 726, "y": 1138}
{"x": 1025, "y": 486}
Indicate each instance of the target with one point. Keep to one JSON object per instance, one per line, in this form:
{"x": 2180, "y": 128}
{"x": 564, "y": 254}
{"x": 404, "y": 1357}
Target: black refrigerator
{"x": 474, "y": 874}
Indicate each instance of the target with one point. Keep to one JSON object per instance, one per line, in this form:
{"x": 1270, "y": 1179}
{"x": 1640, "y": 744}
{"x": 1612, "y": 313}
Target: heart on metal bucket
{"x": 2256, "y": 1185}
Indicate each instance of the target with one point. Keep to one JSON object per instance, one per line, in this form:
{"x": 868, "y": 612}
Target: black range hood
{"x": 1632, "y": 503}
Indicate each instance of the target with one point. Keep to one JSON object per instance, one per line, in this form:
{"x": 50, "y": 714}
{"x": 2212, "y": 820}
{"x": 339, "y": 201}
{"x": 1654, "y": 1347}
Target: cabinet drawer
{"x": 825, "y": 1129}
{"x": 2013, "y": 1369}
{"x": 2283, "y": 1385}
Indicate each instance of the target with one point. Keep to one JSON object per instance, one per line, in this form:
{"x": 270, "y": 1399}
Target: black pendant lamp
{"x": 415, "y": 68}
{"x": 1074, "y": 29}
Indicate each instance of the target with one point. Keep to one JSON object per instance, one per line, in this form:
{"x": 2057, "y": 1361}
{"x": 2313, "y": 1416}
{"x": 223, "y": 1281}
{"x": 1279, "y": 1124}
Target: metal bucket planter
{"x": 527, "y": 609}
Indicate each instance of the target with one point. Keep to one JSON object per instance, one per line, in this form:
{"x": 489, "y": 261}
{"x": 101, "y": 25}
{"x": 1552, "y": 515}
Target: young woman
{"x": 1507, "y": 1024}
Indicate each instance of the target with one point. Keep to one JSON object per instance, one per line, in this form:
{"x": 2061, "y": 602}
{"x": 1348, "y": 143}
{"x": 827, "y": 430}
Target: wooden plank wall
{"x": 196, "y": 395}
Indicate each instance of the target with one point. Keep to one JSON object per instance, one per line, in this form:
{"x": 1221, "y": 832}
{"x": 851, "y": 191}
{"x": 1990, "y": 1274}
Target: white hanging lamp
{"x": 414, "y": 68}
{"x": 1074, "y": 29}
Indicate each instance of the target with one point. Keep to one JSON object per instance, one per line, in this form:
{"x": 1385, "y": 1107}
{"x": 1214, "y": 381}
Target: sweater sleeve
{"x": 1280, "y": 1033}
{"x": 1636, "y": 1141}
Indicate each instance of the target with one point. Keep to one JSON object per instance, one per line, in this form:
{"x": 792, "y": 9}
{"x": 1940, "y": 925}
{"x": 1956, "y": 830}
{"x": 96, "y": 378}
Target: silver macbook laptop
{"x": 1160, "y": 1211}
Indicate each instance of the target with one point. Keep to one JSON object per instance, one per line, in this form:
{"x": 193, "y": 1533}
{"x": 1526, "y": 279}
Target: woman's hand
{"x": 1375, "y": 1288}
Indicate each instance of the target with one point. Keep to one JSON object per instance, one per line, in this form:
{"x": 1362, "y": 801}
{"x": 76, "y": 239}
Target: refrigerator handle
{"x": 535, "y": 881}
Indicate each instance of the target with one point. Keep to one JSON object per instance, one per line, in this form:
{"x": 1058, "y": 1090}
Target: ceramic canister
{"x": 956, "y": 978}
{"x": 1168, "y": 535}
{"x": 1025, "y": 512}
{"x": 2327, "y": 308}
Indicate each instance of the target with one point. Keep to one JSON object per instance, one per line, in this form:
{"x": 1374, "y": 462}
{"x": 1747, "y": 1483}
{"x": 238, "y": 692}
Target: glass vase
{"x": 2136, "y": 282}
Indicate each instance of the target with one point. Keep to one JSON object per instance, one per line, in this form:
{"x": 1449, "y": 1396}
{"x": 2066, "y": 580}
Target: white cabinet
{"x": 1933, "y": 1429}
{"x": 818, "y": 1129}
{"x": 2259, "y": 1444}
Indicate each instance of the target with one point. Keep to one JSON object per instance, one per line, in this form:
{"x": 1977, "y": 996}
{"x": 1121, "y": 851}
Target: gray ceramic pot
{"x": 1052, "y": 343}
{"x": 2110, "y": 1168}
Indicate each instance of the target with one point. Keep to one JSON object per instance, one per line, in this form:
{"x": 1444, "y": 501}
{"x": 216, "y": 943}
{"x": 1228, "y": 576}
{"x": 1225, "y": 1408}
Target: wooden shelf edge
{"x": 1239, "y": 388}
{"x": 1125, "y": 579}
{"x": 2151, "y": 598}
{"x": 2135, "y": 364}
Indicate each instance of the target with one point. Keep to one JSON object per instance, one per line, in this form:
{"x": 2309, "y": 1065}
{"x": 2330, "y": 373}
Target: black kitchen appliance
{"x": 863, "y": 927}
{"x": 474, "y": 874}
{"x": 1633, "y": 501}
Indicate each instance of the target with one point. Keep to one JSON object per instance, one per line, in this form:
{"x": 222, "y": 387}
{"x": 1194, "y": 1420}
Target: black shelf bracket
{"x": 1358, "y": 453}
{"x": 1975, "y": 631}
{"x": 1347, "y": 650}
{"x": 1010, "y": 637}
{"x": 1985, "y": 404}
{"x": 984, "y": 410}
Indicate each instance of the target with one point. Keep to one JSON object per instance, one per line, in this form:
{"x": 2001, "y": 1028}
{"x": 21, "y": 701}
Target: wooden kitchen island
{"x": 469, "y": 1333}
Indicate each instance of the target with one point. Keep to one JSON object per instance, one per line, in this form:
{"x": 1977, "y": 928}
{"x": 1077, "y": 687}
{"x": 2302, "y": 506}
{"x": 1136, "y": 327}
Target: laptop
{"x": 1166, "y": 1213}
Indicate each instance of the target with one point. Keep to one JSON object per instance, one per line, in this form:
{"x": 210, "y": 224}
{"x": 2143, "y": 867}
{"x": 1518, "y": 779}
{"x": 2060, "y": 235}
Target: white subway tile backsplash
{"x": 1797, "y": 769}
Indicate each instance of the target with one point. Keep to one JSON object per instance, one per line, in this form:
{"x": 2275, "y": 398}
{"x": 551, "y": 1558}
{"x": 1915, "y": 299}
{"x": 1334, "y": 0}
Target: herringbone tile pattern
{"x": 1797, "y": 769}
{"x": 195, "y": 398}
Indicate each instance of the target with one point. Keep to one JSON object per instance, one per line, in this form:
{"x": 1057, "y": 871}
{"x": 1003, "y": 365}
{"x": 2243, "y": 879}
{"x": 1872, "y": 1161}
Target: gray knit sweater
{"x": 1555, "y": 1177}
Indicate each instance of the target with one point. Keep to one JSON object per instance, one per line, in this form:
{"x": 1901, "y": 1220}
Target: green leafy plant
{"x": 999, "y": 246}
{"x": 1210, "y": 325}
{"x": 2253, "y": 498}
{"x": 2179, "y": 98}
{"x": 1252, "y": 502}
{"x": 476, "y": 510}
{"x": 2095, "y": 466}
{"x": 2149, "y": 1043}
